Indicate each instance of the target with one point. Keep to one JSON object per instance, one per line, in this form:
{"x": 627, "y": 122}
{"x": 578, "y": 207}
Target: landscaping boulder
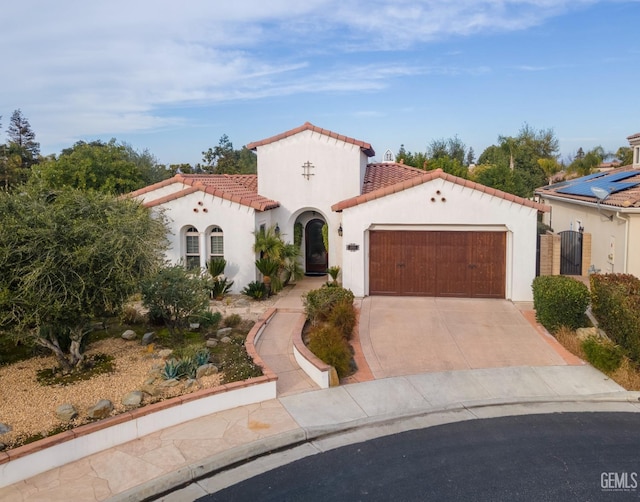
{"x": 172, "y": 382}
{"x": 584, "y": 333}
{"x": 191, "y": 384}
{"x": 101, "y": 409}
{"x": 225, "y": 339}
{"x": 222, "y": 332}
{"x": 212, "y": 342}
{"x": 147, "y": 338}
{"x": 150, "y": 389}
{"x": 66, "y": 412}
{"x": 165, "y": 353}
{"x": 132, "y": 399}
{"x": 4, "y": 428}
{"x": 129, "y": 335}
{"x": 206, "y": 370}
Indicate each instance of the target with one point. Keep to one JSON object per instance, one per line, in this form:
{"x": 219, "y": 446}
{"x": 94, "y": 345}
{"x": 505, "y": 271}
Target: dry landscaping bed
{"x": 29, "y": 407}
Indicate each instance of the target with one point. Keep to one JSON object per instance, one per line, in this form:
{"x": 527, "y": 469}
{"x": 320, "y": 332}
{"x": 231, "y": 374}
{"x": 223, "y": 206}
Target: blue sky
{"x": 173, "y": 77}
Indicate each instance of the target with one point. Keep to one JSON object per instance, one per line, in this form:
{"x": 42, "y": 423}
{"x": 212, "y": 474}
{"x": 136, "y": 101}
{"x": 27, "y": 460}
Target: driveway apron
{"x": 409, "y": 335}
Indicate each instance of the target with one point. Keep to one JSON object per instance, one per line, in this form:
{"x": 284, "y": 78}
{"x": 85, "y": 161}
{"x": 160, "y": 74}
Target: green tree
{"x": 22, "y": 140}
{"x": 625, "y": 155}
{"x": 223, "y": 159}
{"x": 106, "y": 167}
{"x": 520, "y": 154}
{"x": 174, "y": 294}
{"x": 587, "y": 162}
{"x": 550, "y": 166}
{"x": 67, "y": 257}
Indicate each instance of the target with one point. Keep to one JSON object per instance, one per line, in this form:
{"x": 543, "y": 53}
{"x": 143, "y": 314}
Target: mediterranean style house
{"x": 606, "y": 205}
{"x": 393, "y": 229}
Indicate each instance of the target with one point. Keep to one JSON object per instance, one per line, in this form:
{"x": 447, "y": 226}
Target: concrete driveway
{"x": 409, "y": 335}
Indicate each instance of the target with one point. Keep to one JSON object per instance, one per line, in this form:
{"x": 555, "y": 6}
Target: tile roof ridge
{"x": 308, "y": 126}
{"x": 429, "y": 176}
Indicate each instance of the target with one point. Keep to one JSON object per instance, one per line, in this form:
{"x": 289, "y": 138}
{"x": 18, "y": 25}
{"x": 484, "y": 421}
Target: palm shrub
{"x": 256, "y": 290}
{"x": 334, "y": 272}
{"x": 268, "y": 268}
{"x": 559, "y": 301}
{"x": 220, "y": 285}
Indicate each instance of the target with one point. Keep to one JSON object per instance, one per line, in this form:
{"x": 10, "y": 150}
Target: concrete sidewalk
{"x": 197, "y": 450}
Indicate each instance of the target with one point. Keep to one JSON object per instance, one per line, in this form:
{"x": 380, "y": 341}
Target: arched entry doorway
{"x": 316, "y": 257}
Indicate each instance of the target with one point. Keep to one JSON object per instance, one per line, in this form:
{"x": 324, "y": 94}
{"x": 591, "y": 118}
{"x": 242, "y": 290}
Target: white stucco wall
{"x": 464, "y": 209}
{"x": 609, "y": 235}
{"x": 236, "y": 221}
{"x": 337, "y": 174}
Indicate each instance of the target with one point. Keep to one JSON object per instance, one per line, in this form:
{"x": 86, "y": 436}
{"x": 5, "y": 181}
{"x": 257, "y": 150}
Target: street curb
{"x": 186, "y": 475}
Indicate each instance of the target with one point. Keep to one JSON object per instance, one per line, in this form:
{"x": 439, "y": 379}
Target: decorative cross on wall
{"x": 306, "y": 169}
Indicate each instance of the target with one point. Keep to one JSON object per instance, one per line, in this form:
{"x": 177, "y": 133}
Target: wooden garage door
{"x": 437, "y": 263}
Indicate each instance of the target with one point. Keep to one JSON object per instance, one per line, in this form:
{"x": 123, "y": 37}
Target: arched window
{"x": 192, "y": 248}
{"x": 216, "y": 247}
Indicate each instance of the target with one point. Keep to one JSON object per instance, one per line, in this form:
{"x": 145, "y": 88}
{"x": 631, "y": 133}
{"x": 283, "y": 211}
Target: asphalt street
{"x": 560, "y": 456}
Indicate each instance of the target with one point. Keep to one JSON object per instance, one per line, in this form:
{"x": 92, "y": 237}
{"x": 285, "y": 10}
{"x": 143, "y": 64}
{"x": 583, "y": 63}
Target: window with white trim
{"x": 192, "y": 248}
{"x": 216, "y": 244}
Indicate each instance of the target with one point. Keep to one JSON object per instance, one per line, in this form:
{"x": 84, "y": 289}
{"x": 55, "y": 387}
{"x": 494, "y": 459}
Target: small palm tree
{"x": 268, "y": 243}
{"x": 269, "y": 269}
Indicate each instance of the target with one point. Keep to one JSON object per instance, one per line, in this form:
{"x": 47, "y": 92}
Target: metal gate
{"x": 570, "y": 252}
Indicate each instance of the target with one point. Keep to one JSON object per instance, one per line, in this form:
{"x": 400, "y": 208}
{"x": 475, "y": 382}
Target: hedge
{"x": 559, "y": 301}
{"x": 615, "y": 302}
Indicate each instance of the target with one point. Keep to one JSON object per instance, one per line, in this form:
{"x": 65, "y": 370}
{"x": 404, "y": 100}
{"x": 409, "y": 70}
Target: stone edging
{"x": 64, "y": 448}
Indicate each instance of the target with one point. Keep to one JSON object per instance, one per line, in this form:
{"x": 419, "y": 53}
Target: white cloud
{"x": 82, "y": 68}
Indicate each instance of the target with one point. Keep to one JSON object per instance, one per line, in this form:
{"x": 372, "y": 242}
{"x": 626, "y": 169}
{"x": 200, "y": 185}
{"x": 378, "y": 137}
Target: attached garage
{"x": 437, "y": 263}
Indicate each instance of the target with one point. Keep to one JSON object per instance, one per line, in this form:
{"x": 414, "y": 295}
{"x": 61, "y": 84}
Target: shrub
{"x": 319, "y": 302}
{"x": 559, "y": 301}
{"x": 615, "y": 300}
{"x": 220, "y": 286}
{"x": 131, "y": 316}
{"x": 231, "y": 321}
{"x": 175, "y": 294}
{"x": 602, "y": 354}
{"x": 328, "y": 344}
{"x": 256, "y": 290}
{"x": 210, "y": 320}
{"x": 343, "y": 318}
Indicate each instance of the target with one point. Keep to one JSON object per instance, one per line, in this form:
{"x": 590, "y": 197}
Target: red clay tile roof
{"x": 634, "y": 136}
{"x": 239, "y": 188}
{"x": 415, "y": 177}
{"x": 307, "y": 126}
{"x": 629, "y": 198}
{"x": 387, "y": 173}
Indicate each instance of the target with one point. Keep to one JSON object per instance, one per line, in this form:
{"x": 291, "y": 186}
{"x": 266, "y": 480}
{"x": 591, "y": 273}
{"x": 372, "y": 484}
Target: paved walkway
{"x": 168, "y": 459}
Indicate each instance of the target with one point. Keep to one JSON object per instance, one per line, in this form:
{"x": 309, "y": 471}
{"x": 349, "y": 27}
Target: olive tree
{"x": 68, "y": 257}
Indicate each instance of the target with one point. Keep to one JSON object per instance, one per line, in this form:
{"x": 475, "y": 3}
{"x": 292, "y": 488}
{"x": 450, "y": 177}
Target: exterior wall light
{"x": 340, "y": 230}
{"x": 277, "y": 229}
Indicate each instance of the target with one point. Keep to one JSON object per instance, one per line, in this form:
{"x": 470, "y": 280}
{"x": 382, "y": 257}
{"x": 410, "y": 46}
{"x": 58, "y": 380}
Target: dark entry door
{"x": 570, "y": 252}
{"x": 316, "y": 258}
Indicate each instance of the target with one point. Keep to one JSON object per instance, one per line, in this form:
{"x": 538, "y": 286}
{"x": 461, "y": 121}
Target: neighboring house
{"x": 606, "y": 205}
{"x": 393, "y": 229}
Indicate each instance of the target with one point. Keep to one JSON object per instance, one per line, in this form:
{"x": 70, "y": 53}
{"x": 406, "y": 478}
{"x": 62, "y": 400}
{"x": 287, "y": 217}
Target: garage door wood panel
{"x": 437, "y": 263}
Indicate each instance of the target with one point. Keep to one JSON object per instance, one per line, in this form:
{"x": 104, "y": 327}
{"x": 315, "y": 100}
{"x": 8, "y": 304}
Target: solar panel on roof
{"x": 621, "y": 176}
{"x": 584, "y": 189}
